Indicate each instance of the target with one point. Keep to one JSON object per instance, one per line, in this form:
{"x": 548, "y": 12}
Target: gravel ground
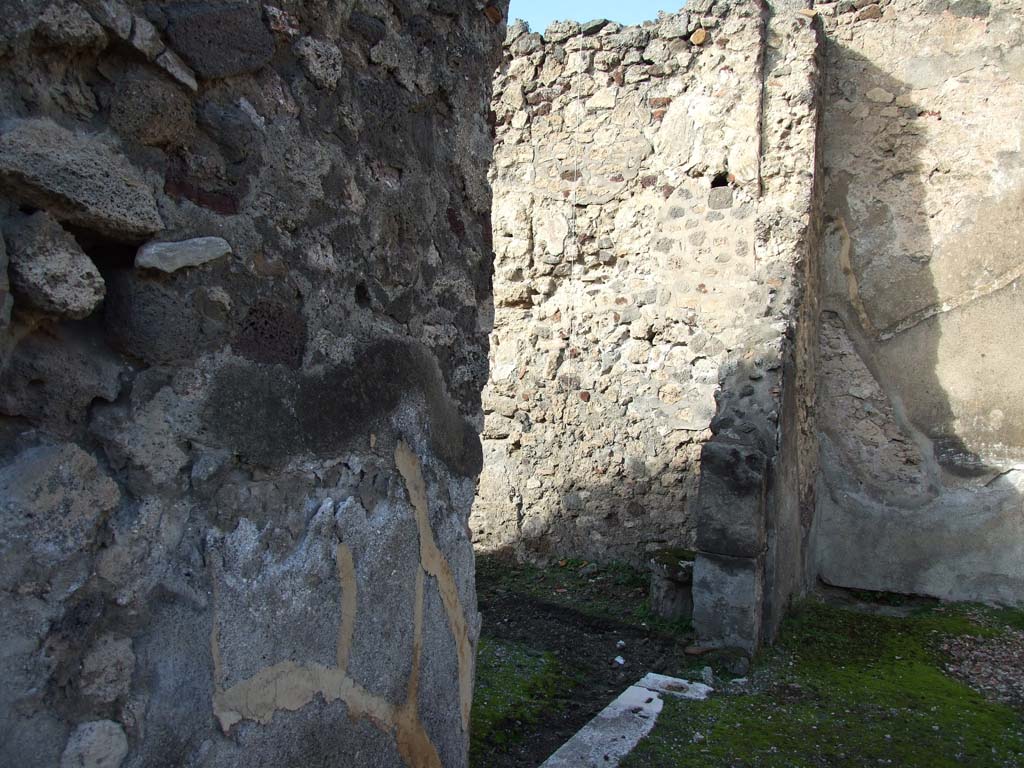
{"x": 993, "y": 666}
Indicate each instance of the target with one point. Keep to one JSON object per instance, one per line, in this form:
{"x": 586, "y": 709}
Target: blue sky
{"x": 540, "y": 13}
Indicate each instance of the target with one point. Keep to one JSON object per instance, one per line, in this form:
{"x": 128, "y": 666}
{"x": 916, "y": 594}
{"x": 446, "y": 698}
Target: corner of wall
{"x": 756, "y": 495}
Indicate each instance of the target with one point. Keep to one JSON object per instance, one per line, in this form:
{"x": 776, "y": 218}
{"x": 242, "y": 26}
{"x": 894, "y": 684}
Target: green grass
{"x": 514, "y": 685}
{"x": 894, "y": 599}
{"x": 849, "y": 689}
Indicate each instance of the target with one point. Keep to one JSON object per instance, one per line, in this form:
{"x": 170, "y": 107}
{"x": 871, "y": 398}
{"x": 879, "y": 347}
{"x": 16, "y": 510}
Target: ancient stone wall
{"x": 758, "y": 473}
{"x": 655, "y": 236}
{"x": 244, "y": 311}
{"x": 825, "y": 239}
{"x": 625, "y": 182}
{"x": 921, "y": 397}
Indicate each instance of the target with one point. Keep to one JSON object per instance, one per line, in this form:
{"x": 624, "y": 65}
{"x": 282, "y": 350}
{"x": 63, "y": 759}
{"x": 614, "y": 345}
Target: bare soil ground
{"x": 550, "y": 639}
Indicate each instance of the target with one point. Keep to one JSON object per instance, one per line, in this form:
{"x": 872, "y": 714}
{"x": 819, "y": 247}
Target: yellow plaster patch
{"x": 288, "y": 686}
{"x": 434, "y": 563}
{"x": 347, "y": 579}
{"x": 852, "y": 288}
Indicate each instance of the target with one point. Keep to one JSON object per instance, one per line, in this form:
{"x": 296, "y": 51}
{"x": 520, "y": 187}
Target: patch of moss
{"x": 888, "y": 598}
{"x": 515, "y": 685}
{"x": 847, "y": 689}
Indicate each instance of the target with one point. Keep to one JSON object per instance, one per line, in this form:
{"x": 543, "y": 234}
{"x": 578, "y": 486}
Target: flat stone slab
{"x": 172, "y": 256}
{"x": 77, "y": 178}
{"x": 675, "y": 686}
{"x": 618, "y": 728}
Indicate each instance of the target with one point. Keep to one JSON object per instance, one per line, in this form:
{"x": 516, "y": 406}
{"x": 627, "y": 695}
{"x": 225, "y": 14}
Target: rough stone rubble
{"x": 757, "y": 295}
{"x": 625, "y": 178}
{"x": 244, "y": 266}
{"x": 655, "y": 215}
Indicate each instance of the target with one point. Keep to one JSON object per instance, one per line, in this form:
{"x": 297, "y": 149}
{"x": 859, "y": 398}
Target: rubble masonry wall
{"x": 245, "y": 294}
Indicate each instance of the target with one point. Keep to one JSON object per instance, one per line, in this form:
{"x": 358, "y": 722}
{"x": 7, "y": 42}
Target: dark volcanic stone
{"x": 272, "y": 332}
{"x": 220, "y": 40}
{"x": 266, "y": 414}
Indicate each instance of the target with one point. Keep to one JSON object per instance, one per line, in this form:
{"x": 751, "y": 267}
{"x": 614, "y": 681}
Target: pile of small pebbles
{"x": 993, "y": 666}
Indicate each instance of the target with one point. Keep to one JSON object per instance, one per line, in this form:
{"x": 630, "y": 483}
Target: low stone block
{"x": 727, "y": 601}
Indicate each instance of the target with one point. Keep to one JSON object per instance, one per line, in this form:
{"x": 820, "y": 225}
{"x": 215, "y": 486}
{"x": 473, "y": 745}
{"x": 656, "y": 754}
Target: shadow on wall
{"x": 611, "y": 521}
{"x": 921, "y": 415}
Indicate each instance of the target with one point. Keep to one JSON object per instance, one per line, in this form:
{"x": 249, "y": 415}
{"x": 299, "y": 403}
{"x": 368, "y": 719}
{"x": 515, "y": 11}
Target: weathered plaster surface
{"x": 288, "y": 686}
{"x": 920, "y": 397}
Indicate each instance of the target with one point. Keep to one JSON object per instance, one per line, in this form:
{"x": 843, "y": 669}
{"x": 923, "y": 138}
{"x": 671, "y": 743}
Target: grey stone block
{"x": 720, "y": 197}
{"x": 170, "y": 257}
{"x": 99, "y": 744}
{"x": 727, "y": 601}
{"x": 671, "y": 587}
{"x": 77, "y": 178}
{"x": 48, "y": 269}
{"x": 151, "y": 109}
{"x": 53, "y": 377}
{"x": 53, "y": 499}
{"x": 731, "y": 515}
{"x": 220, "y": 39}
